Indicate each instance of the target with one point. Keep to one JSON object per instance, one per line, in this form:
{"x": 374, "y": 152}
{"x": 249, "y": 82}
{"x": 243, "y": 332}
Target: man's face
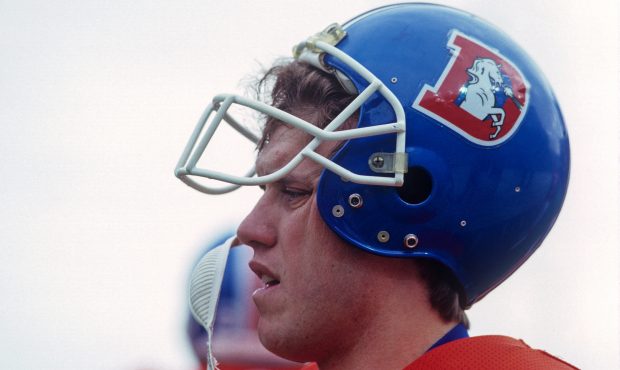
{"x": 316, "y": 285}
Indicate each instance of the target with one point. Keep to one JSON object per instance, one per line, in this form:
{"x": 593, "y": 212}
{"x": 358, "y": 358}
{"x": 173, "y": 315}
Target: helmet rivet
{"x": 463, "y": 223}
{"x": 355, "y": 200}
{"x": 411, "y": 241}
{"x": 338, "y": 211}
{"x": 383, "y": 236}
{"x": 378, "y": 161}
{"x": 518, "y": 189}
{"x": 393, "y": 80}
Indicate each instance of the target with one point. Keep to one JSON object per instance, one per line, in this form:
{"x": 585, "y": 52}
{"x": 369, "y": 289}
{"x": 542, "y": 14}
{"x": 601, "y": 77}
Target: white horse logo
{"x": 486, "y": 79}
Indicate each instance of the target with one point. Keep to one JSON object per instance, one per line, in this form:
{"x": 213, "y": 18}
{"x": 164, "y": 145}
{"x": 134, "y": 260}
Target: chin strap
{"x": 204, "y": 290}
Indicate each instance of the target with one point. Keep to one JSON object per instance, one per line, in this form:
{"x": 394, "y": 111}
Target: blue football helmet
{"x": 460, "y": 154}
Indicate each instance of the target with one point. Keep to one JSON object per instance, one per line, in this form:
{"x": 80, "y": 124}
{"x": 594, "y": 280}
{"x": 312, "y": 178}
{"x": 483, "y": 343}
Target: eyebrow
{"x": 291, "y": 177}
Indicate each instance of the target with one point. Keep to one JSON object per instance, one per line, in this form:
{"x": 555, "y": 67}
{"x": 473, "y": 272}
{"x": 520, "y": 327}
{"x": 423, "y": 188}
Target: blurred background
{"x": 97, "y": 100}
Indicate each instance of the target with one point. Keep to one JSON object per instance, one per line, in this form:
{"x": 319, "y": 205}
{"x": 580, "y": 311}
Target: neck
{"x": 402, "y": 327}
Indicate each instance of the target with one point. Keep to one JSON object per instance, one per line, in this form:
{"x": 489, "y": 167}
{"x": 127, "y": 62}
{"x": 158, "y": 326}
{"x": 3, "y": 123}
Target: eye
{"x": 294, "y": 193}
{"x": 295, "y": 196}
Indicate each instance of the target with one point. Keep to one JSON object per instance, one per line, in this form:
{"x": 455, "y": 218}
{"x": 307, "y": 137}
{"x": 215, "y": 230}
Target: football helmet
{"x": 460, "y": 153}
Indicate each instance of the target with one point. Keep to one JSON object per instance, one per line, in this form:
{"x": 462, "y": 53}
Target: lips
{"x": 268, "y": 278}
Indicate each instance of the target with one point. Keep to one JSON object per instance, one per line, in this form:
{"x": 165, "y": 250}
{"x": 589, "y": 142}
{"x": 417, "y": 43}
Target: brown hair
{"x": 299, "y": 87}
{"x": 292, "y": 85}
{"x": 444, "y": 291}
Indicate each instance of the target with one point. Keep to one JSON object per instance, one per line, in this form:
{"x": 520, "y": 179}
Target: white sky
{"x": 97, "y": 99}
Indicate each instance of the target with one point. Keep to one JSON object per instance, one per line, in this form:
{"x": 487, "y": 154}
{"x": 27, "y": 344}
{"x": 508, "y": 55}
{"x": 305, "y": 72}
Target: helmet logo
{"x": 480, "y": 94}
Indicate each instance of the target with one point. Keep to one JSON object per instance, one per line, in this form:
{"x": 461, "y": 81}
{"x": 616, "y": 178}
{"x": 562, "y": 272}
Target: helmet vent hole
{"x": 418, "y": 186}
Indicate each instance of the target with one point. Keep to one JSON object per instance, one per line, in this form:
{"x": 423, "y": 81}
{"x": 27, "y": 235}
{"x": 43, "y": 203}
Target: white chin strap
{"x": 204, "y": 290}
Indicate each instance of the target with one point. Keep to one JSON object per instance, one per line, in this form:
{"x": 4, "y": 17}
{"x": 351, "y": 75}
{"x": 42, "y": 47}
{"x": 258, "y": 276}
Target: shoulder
{"x": 488, "y": 352}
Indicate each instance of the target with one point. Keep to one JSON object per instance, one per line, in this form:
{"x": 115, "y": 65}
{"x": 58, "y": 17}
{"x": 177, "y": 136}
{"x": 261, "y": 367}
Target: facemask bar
{"x": 220, "y": 104}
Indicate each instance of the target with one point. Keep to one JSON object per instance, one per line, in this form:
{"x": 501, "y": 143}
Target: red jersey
{"x": 489, "y": 352}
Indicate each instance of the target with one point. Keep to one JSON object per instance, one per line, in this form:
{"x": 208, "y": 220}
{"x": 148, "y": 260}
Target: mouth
{"x": 269, "y": 281}
{"x": 266, "y": 276}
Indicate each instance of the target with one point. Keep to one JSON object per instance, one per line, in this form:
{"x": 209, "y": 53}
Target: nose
{"x": 258, "y": 229}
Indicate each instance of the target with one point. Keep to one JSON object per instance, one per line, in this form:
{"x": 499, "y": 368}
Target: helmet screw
{"x": 411, "y": 241}
{"x": 383, "y": 236}
{"x": 338, "y": 211}
{"x": 378, "y": 161}
{"x": 355, "y": 200}
{"x": 394, "y": 80}
{"x": 463, "y": 223}
{"x": 518, "y": 189}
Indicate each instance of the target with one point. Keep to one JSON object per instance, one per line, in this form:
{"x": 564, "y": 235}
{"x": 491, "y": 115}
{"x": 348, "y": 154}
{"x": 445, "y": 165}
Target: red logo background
{"x": 439, "y": 101}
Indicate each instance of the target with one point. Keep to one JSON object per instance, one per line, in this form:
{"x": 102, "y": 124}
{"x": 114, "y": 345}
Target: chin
{"x": 284, "y": 344}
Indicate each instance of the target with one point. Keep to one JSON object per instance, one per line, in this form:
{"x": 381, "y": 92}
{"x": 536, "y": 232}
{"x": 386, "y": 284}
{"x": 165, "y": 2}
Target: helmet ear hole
{"x": 417, "y": 187}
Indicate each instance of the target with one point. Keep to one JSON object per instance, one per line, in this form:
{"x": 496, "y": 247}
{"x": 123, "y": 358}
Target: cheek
{"x": 317, "y": 260}
{"x": 333, "y": 259}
